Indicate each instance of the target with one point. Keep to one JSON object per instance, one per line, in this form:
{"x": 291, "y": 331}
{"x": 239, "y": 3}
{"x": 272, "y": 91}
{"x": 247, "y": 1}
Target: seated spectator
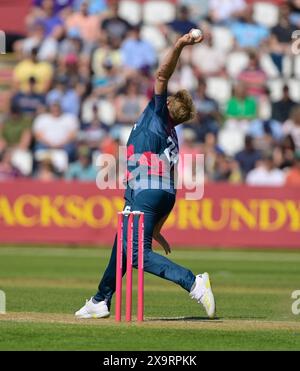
{"x": 294, "y": 12}
{"x": 130, "y": 105}
{"x": 281, "y": 36}
{"x": 72, "y": 70}
{"x": 56, "y": 130}
{"x": 47, "y": 46}
{"x": 226, "y": 170}
{"x": 281, "y": 109}
{"x": 248, "y": 157}
{"x": 241, "y": 106}
{"x": 283, "y": 153}
{"x": 221, "y": 11}
{"x": 136, "y": 52}
{"x": 15, "y": 130}
{"x": 45, "y": 171}
{"x": 208, "y": 60}
{"x": 30, "y": 102}
{"x": 58, "y": 5}
{"x": 35, "y": 37}
{"x": 182, "y": 24}
{"x": 70, "y": 45}
{"x": 42, "y": 72}
{"x": 94, "y": 6}
{"x": 86, "y": 25}
{"x": 266, "y": 174}
{"x": 108, "y": 85}
{"x": 266, "y": 133}
{"x": 292, "y": 126}
{"x": 254, "y": 77}
{"x": 211, "y": 151}
{"x": 106, "y": 53}
{"x": 83, "y": 169}
{"x": 246, "y": 32}
{"x": 50, "y": 20}
{"x": 187, "y": 168}
{"x": 198, "y": 9}
{"x": 208, "y": 117}
{"x": 293, "y": 175}
{"x": 7, "y": 170}
{"x": 114, "y": 26}
{"x": 92, "y": 133}
{"x": 65, "y": 94}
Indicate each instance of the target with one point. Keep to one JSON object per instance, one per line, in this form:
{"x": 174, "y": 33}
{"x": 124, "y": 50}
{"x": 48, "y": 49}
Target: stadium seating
{"x": 219, "y": 88}
{"x": 266, "y": 14}
{"x": 236, "y": 62}
{"x": 131, "y": 10}
{"x": 156, "y": 12}
{"x": 222, "y": 38}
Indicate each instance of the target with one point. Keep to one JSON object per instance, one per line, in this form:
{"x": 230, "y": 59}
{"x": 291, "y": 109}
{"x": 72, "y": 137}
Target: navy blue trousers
{"x": 155, "y": 204}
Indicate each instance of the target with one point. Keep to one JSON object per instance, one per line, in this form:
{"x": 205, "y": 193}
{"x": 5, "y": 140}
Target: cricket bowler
{"x": 155, "y": 134}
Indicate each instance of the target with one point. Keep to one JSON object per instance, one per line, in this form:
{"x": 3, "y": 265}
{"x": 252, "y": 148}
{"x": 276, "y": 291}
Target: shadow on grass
{"x": 187, "y": 319}
{"x": 205, "y": 319}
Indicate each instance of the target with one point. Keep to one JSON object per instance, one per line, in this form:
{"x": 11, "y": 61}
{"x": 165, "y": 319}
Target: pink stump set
{"x": 130, "y": 234}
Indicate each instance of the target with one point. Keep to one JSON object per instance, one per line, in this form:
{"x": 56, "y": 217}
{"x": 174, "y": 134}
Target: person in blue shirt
{"x": 83, "y": 169}
{"x": 152, "y": 154}
{"x": 247, "y": 33}
{"x": 136, "y": 52}
{"x": 182, "y": 23}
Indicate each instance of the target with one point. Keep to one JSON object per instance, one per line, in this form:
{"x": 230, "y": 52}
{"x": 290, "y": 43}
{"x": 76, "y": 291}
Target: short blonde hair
{"x": 181, "y": 107}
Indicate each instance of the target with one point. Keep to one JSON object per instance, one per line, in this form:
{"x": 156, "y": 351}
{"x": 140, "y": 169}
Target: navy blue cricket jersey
{"x": 152, "y": 149}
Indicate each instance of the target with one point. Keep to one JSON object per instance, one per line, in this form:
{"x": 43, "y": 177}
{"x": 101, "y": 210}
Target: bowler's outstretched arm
{"x": 168, "y": 65}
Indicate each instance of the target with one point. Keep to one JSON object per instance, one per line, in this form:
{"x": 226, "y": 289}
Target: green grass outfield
{"x": 44, "y": 286}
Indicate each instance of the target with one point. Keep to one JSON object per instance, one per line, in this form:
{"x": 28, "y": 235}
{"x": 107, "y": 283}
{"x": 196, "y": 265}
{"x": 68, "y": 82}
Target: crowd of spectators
{"x": 85, "y": 73}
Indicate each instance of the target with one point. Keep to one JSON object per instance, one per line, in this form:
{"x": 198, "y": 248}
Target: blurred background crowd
{"x": 84, "y": 73}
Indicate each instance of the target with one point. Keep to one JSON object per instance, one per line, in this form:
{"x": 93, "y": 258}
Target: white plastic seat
{"x": 264, "y": 108}
{"x": 23, "y": 161}
{"x": 219, "y": 89}
{"x": 266, "y": 14}
{"x": 106, "y": 111}
{"x": 154, "y": 36}
{"x": 156, "y": 12}
{"x": 294, "y": 86}
{"x": 297, "y": 66}
{"x": 232, "y": 137}
{"x": 222, "y": 38}
{"x": 275, "y": 86}
{"x": 58, "y": 157}
{"x": 288, "y": 67}
{"x": 131, "y": 11}
{"x": 124, "y": 133}
{"x": 236, "y": 62}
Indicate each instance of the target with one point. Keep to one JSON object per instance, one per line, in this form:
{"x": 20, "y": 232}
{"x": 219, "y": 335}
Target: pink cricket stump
{"x": 129, "y": 268}
{"x": 119, "y": 268}
{"x": 140, "y": 308}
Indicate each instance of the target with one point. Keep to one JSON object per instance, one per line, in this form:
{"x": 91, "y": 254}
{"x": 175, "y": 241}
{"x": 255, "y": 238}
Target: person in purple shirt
{"x": 48, "y": 18}
{"x": 58, "y": 5}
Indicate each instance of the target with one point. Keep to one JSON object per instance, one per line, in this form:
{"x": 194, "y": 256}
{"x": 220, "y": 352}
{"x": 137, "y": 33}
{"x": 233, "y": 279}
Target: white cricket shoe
{"x": 92, "y": 310}
{"x": 202, "y": 292}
